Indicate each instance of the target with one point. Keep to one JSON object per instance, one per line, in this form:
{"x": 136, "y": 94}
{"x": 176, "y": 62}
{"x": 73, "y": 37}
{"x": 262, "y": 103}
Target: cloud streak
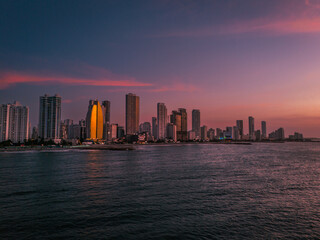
{"x": 8, "y": 79}
{"x": 267, "y": 26}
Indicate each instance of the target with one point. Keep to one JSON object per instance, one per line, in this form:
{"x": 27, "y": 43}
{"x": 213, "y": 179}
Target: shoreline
{"x": 122, "y": 147}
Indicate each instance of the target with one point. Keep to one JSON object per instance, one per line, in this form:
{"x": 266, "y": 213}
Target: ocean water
{"x": 200, "y": 191}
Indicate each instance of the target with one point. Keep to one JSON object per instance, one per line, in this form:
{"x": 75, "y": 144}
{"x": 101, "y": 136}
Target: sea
{"x": 173, "y": 191}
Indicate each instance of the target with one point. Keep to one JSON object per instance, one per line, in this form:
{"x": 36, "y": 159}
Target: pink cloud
{"x": 11, "y": 78}
{"x": 268, "y": 26}
{"x": 312, "y": 3}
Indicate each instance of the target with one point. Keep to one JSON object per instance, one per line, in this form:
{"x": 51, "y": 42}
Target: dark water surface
{"x": 262, "y": 191}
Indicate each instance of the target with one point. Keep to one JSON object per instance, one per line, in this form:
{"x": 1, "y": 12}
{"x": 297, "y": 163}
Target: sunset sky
{"x": 230, "y": 58}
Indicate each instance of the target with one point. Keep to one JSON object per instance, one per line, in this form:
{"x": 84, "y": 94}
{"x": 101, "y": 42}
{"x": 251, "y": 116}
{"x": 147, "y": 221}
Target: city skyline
{"x": 229, "y": 59}
{"x": 179, "y": 118}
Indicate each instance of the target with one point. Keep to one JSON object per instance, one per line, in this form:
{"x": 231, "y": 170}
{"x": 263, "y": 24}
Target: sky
{"x": 231, "y": 59}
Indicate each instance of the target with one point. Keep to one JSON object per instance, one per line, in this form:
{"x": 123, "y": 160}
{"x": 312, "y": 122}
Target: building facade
{"x": 50, "y": 117}
{"x": 239, "y": 125}
{"x": 154, "y": 128}
{"x": 94, "y": 121}
{"x": 263, "y": 129}
{"x": 171, "y": 131}
{"x": 251, "y": 127}
{"x": 196, "y": 122}
{"x": 132, "y": 114}
{"x": 162, "y": 118}
{"x": 106, "y": 120}
{"x": 204, "y": 135}
{"x": 184, "y": 124}
{"x": 14, "y": 122}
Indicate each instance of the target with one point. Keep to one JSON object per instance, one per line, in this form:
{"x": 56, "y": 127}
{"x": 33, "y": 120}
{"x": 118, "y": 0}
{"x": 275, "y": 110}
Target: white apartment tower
{"x": 50, "y": 117}
{"x": 14, "y": 122}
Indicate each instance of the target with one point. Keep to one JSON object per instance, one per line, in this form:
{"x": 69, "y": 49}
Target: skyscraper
{"x": 120, "y": 132}
{"x": 175, "y": 118}
{"x": 69, "y": 128}
{"x": 219, "y": 134}
{"x": 50, "y": 117}
{"x": 162, "y": 120}
{"x": 145, "y": 127}
{"x": 211, "y": 135}
{"x": 204, "y": 134}
{"x": 94, "y": 121}
{"x": 83, "y": 131}
{"x": 184, "y": 124}
{"x": 154, "y": 128}
{"x": 196, "y": 121}
{"x": 14, "y": 122}
{"x": 236, "y": 135}
{"x": 228, "y": 133}
{"x": 251, "y": 127}
{"x": 106, "y": 120}
{"x": 132, "y": 114}
{"x": 171, "y": 130}
{"x": 263, "y": 129}
{"x": 106, "y": 111}
{"x": 114, "y": 131}
{"x": 277, "y": 134}
{"x": 240, "y": 128}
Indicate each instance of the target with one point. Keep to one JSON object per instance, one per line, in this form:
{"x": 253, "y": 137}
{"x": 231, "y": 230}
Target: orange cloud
{"x": 11, "y": 78}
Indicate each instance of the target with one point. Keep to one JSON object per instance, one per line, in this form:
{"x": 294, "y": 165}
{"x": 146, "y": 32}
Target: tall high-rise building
{"x": 114, "y": 131}
{"x": 145, "y": 128}
{"x": 106, "y": 111}
{"x": 171, "y": 130}
{"x": 236, "y": 133}
{"x": 228, "y": 133}
{"x": 63, "y": 131}
{"x": 211, "y": 135}
{"x": 120, "y": 132}
{"x": 132, "y": 114}
{"x": 184, "y": 124}
{"x": 175, "y": 118}
{"x": 50, "y": 117}
{"x": 219, "y": 133}
{"x": 76, "y": 131}
{"x": 251, "y": 127}
{"x": 240, "y": 128}
{"x": 263, "y": 129}
{"x": 154, "y": 127}
{"x": 277, "y": 134}
{"x": 83, "y": 131}
{"x": 196, "y": 122}
{"x": 14, "y": 122}
{"x": 69, "y": 128}
{"x": 162, "y": 120}
{"x": 35, "y": 134}
{"x": 191, "y": 135}
{"x": 94, "y": 121}
{"x": 204, "y": 134}
{"x": 257, "y": 135}
{"x": 106, "y": 120}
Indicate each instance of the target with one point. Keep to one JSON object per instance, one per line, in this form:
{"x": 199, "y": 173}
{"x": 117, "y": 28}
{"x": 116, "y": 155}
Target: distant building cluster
{"x": 97, "y": 126}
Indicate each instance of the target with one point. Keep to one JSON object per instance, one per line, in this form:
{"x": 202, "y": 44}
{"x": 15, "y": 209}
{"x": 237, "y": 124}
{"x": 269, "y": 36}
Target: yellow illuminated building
{"x": 94, "y": 121}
